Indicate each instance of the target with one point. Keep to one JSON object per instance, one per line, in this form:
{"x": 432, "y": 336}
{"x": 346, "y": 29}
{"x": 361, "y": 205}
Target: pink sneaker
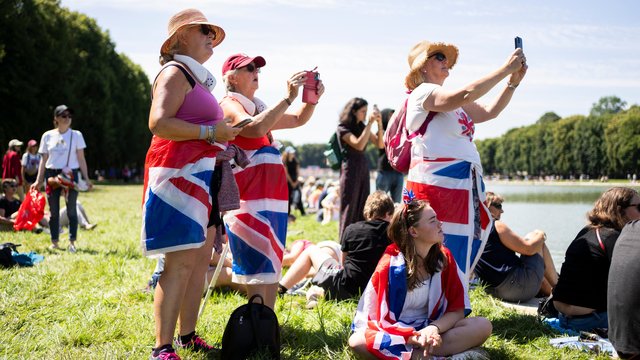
{"x": 196, "y": 344}
{"x": 165, "y": 356}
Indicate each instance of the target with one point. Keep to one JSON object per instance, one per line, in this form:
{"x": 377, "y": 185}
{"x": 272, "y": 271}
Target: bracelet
{"x": 203, "y": 132}
{"x": 436, "y": 326}
{"x": 211, "y": 133}
{"x": 287, "y": 101}
{"x": 512, "y": 86}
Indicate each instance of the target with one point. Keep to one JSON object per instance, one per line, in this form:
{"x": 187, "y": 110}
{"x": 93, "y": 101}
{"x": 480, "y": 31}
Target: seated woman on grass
{"x": 416, "y": 300}
{"x": 508, "y": 276}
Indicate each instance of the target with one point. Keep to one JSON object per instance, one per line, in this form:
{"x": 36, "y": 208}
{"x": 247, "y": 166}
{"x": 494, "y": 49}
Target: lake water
{"x": 558, "y": 210}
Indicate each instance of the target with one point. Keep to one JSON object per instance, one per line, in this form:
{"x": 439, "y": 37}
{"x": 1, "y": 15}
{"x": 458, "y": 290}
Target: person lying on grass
{"x": 416, "y": 301}
{"x": 362, "y": 245}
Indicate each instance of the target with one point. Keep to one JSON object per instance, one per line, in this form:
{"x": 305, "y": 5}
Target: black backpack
{"x": 252, "y": 327}
{"x": 6, "y": 258}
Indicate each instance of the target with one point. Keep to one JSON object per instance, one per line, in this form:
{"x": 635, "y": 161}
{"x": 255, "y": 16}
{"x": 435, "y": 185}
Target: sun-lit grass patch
{"x": 90, "y": 305}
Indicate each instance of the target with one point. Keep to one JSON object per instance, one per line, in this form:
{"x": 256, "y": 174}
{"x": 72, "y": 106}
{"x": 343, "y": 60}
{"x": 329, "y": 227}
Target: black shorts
{"x": 328, "y": 277}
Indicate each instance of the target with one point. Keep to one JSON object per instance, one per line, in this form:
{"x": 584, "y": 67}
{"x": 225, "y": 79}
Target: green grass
{"x": 90, "y": 305}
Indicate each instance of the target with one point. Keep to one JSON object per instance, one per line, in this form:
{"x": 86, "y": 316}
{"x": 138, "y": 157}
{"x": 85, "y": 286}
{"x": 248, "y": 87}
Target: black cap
{"x": 60, "y": 109}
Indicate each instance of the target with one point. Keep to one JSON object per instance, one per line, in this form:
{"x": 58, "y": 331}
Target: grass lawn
{"x": 89, "y": 305}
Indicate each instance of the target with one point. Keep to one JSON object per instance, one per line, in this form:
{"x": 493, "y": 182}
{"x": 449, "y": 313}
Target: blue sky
{"x": 577, "y": 51}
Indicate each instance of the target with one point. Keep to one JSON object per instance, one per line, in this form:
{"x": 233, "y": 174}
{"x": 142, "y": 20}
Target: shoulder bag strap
{"x": 190, "y": 78}
{"x": 70, "y": 143}
{"x": 600, "y": 240}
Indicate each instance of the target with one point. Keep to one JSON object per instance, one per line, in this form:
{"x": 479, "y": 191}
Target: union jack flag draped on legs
{"x": 379, "y": 312}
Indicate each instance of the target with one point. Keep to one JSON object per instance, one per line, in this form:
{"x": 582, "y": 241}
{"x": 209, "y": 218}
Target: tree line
{"x": 51, "y": 56}
{"x": 604, "y": 143}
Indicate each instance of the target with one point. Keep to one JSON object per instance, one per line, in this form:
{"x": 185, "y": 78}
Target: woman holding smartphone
{"x": 446, "y": 168}
{"x": 354, "y": 170}
{"x": 257, "y": 231}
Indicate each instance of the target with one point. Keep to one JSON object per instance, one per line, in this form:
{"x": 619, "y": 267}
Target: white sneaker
{"x": 313, "y": 295}
{"x": 72, "y": 249}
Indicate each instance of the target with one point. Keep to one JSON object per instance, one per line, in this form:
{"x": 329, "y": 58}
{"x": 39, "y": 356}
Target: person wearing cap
{"x": 292, "y": 167}
{"x": 446, "y": 168}
{"x": 11, "y": 167}
{"x": 354, "y": 169}
{"x": 189, "y": 135}
{"x": 257, "y": 254}
{"x": 62, "y": 150}
{"x": 30, "y": 163}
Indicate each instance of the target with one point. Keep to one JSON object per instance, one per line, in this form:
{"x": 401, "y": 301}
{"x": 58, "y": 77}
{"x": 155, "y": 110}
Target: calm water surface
{"x": 558, "y": 210}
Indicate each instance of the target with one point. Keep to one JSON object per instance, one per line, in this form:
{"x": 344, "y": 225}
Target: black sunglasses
{"x": 66, "y": 116}
{"x": 439, "y": 56}
{"x": 250, "y": 68}
{"x": 206, "y": 30}
{"x": 497, "y": 205}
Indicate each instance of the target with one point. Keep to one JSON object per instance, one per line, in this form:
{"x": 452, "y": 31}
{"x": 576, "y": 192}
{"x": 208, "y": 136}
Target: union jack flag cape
{"x": 447, "y": 184}
{"x": 258, "y": 229}
{"x": 177, "y": 194}
{"x": 379, "y": 311}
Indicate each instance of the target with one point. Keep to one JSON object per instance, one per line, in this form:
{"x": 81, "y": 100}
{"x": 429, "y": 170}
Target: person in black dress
{"x": 354, "y": 135}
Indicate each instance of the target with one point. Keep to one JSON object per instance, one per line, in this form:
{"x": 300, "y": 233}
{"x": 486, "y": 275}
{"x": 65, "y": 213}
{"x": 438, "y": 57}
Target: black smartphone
{"x": 242, "y": 123}
{"x": 518, "y": 41}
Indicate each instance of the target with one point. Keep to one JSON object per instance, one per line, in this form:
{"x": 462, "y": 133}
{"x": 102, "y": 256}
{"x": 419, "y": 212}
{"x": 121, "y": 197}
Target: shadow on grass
{"x": 520, "y": 328}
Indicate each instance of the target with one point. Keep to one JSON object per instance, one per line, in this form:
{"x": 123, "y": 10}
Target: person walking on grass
{"x": 62, "y": 151}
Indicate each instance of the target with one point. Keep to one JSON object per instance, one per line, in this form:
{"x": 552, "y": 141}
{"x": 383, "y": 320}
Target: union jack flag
{"x": 447, "y": 185}
{"x": 466, "y": 124}
{"x": 379, "y": 312}
{"x": 177, "y": 196}
{"x": 257, "y": 230}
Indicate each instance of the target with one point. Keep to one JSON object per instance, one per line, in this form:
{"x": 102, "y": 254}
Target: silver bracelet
{"x": 512, "y": 86}
{"x": 203, "y": 132}
{"x": 211, "y": 133}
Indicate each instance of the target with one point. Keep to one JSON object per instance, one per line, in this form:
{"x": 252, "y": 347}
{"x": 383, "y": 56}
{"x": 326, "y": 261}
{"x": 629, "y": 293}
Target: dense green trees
{"x": 50, "y": 56}
{"x": 607, "y": 142}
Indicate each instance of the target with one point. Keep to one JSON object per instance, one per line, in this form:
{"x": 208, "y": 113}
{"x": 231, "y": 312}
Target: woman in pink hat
{"x": 257, "y": 231}
{"x": 181, "y": 216}
{"x": 30, "y": 163}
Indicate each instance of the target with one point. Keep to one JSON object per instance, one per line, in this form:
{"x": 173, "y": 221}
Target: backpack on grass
{"x": 397, "y": 140}
{"x": 252, "y": 327}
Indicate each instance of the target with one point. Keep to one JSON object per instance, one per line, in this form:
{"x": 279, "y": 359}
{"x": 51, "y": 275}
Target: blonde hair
{"x": 175, "y": 43}
{"x": 414, "y": 78}
{"x": 378, "y": 205}
{"x": 493, "y": 197}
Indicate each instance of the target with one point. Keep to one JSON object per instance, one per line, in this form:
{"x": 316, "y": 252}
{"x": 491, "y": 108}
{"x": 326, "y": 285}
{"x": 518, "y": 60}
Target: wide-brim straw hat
{"x": 422, "y": 50}
{"x": 185, "y": 18}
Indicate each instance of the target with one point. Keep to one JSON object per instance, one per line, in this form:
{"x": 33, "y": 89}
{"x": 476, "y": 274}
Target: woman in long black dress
{"x": 354, "y": 135}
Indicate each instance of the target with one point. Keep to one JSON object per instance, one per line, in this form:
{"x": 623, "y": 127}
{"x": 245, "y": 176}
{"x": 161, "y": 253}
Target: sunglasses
{"x": 497, "y": 205}
{"x": 439, "y": 56}
{"x": 11, "y": 185}
{"x": 637, "y": 206}
{"x": 206, "y": 30}
{"x": 250, "y": 68}
{"x": 66, "y": 116}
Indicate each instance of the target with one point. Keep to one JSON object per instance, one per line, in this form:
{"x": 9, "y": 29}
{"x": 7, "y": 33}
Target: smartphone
{"x": 518, "y": 42}
{"x": 242, "y": 123}
{"x": 310, "y": 90}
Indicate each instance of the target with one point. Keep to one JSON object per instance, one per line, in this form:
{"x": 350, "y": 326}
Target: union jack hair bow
{"x": 407, "y": 196}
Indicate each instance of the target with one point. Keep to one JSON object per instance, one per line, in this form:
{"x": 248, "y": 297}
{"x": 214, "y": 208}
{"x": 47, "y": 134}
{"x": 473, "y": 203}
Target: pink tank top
{"x": 200, "y": 107}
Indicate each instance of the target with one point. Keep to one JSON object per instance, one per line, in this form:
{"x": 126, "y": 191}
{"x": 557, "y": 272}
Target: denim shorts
{"x": 523, "y": 282}
{"x": 585, "y": 322}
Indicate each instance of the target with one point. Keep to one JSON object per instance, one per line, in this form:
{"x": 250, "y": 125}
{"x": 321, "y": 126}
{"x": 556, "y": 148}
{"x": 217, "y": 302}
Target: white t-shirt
{"x": 449, "y": 135}
{"x": 31, "y": 162}
{"x": 57, "y": 146}
{"x": 416, "y": 304}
